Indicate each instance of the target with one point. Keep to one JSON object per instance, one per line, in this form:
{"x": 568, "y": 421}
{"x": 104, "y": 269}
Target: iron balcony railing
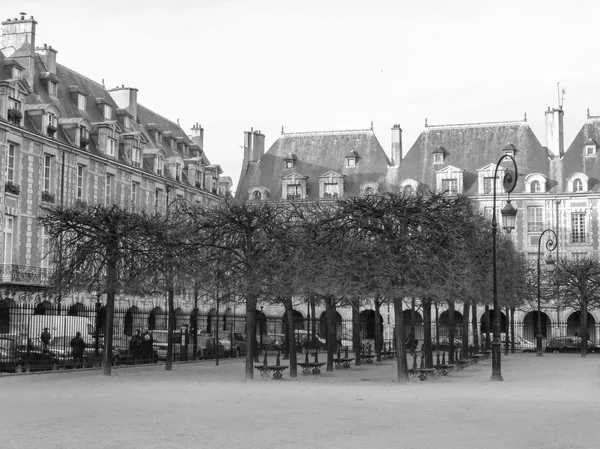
{"x": 22, "y": 274}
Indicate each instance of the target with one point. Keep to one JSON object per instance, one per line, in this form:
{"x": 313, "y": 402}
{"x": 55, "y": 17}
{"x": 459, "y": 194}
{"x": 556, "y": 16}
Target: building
{"x": 69, "y": 140}
{"x": 556, "y": 189}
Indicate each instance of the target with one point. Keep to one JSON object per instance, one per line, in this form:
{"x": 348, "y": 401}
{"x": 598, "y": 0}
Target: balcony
{"x": 48, "y": 197}
{"x": 9, "y": 187}
{"x": 24, "y": 275}
{"x": 14, "y": 116}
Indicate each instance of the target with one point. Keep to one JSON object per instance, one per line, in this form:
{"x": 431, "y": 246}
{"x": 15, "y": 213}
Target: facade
{"x": 68, "y": 140}
{"x": 556, "y": 189}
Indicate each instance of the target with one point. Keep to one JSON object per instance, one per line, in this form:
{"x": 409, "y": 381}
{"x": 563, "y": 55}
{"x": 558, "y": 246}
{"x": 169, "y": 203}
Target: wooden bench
{"x": 306, "y": 367}
{"x": 368, "y": 358}
{"x": 277, "y": 370}
{"x": 445, "y": 367}
{"x": 316, "y": 367}
{"x": 462, "y": 363}
{"x": 426, "y": 372}
{"x": 476, "y": 358}
{"x": 342, "y": 362}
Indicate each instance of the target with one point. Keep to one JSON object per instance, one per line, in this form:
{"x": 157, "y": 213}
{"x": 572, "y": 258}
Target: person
{"x": 146, "y": 346}
{"x": 45, "y": 337}
{"x": 410, "y": 342}
{"x": 134, "y": 345}
{"x": 78, "y": 346}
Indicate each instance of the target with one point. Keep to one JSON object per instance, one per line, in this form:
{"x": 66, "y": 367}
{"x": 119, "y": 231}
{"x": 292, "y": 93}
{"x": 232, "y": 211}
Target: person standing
{"x": 45, "y": 337}
{"x": 145, "y": 347}
{"x": 134, "y": 346}
{"x": 77, "y": 349}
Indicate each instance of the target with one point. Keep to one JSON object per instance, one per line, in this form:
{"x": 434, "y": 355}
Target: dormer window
{"x": 577, "y": 182}
{"x": 332, "y": 190}
{"x": 590, "y": 148}
{"x": 111, "y": 142}
{"x": 127, "y": 122}
{"x": 290, "y": 161}
{"x": 535, "y": 187}
{"x": 16, "y": 72}
{"x": 438, "y": 155}
{"x": 257, "y": 195}
{"x": 81, "y": 101}
{"x": 136, "y": 154}
{"x": 289, "y": 164}
{"x": 84, "y": 137}
{"x": 158, "y": 137}
{"x": 52, "y": 88}
{"x": 14, "y": 113}
{"x": 159, "y": 165}
{"x": 488, "y": 185}
{"x": 107, "y": 112}
{"x": 294, "y": 191}
{"x": 450, "y": 180}
{"x": 178, "y": 172}
{"x": 577, "y": 185}
{"x": 52, "y": 125}
{"x": 509, "y": 150}
{"x": 352, "y": 159}
{"x": 331, "y": 185}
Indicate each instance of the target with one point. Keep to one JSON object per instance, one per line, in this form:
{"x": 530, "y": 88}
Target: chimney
{"x": 126, "y": 98}
{"x": 48, "y": 55}
{"x": 258, "y": 146}
{"x": 248, "y": 145}
{"x": 198, "y": 135}
{"x": 18, "y": 34}
{"x": 396, "y": 145}
{"x": 554, "y": 131}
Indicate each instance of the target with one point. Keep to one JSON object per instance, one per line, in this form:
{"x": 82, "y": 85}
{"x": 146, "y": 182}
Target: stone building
{"x": 67, "y": 139}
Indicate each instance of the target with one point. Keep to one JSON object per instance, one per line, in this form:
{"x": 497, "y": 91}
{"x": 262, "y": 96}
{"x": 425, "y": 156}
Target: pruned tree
{"x": 102, "y": 248}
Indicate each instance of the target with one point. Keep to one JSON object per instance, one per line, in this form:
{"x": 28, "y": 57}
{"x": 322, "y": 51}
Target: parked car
{"x": 206, "y": 347}
{"x": 159, "y": 338}
{"x": 123, "y": 356}
{"x": 18, "y": 357}
{"x": 238, "y": 344}
{"x": 303, "y": 340}
{"x": 569, "y": 344}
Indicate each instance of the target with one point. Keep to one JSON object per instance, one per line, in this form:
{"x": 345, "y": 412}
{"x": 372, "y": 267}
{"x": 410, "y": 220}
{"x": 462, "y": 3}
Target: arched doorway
{"x": 574, "y": 326}
{"x": 323, "y": 326}
{"x": 530, "y": 326}
{"x": 367, "y": 324}
{"x": 179, "y": 319}
{"x": 76, "y": 309}
{"x": 444, "y": 324}
{"x": 6, "y": 305}
{"x": 228, "y": 324}
{"x": 43, "y": 308}
{"x": 133, "y": 321}
{"x": 484, "y": 320}
{"x": 194, "y": 321}
{"x": 157, "y": 319}
{"x": 210, "y": 320}
{"x": 101, "y": 320}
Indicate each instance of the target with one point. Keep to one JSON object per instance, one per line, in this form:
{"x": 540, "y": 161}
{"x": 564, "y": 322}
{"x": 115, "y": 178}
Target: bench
{"x": 476, "y": 358}
{"x": 425, "y": 372}
{"x": 388, "y": 354}
{"x": 277, "y": 370}
{"x": 306, "y": 367}
{"x": 462, "y": 363}
{"x": 368, "y": 358}
{"x": 316, "y": 367}
{"x": 342, "y": 362}
{"x": 445, "y": 367}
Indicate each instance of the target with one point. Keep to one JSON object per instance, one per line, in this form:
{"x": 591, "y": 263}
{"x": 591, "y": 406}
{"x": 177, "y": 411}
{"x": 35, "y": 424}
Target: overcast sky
{"x": 316, "y": 65}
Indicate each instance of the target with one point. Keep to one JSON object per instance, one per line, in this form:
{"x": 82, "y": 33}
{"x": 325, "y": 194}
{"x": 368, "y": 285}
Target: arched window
{"x": 408, "y": 190}
{"x": 536, "y": 187}
{"x": 577, "y": 185}
{"x": 257, "y": 195}
{"x": 368, "y": 191}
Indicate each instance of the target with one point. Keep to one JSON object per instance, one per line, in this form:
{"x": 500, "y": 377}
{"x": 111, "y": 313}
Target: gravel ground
{"x": 549, "y": 402}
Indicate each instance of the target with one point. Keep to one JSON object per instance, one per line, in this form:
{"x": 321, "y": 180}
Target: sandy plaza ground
{"x": 549, "y": 402}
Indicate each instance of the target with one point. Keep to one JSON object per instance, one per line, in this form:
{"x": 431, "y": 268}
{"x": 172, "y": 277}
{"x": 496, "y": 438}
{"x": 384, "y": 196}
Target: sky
{"x": 316, "y": 65}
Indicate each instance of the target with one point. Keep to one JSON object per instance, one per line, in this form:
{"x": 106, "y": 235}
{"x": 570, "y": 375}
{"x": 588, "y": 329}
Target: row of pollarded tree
{"x": 387, "y": 247}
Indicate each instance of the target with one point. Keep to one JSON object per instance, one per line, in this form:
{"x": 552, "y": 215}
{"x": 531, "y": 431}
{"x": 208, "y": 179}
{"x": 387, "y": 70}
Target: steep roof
{"x": 575, "y": 159}
{"x": 470, "y": 147}
{"x": 318, "y": 153}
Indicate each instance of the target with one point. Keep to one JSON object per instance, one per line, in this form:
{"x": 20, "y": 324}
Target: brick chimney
{"x": 554, "y": 131}
{"x": 48, "y": 55}
{"x": 198, "y": 135}
{"x": 396, "y": 145}
{"x": 126, "y": 98}
{"x": 258, "y": 146}
{"x": 18, "y": 42}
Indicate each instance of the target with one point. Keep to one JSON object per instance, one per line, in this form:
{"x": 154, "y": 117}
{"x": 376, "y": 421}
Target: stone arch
{"x": 574, "y": 325}
{"x": 530, "y": 326}
{"x": 210, "y": 321}
{"x": 6, "y": 306}
{"x": 228, "y": 320}
{"x": 43, "y": 308}
{"x": 367, "y": 324}
{"x": 323, "y": 325}
{"x": 409, "y": 323}
{"x": 194, "y": 321}
{"x": 444, "y": 323}
{"x": 76, "y": 309}
{"x": 157, "y": 319}
{"x": 179, "y": 318}
{"x": 484, "y": 319}
{"x": 133, "y": 320}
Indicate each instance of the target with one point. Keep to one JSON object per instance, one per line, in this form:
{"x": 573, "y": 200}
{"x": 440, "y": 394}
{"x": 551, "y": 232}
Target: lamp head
{"x": 509, "y": 216}
{"x": 550, "y": 263}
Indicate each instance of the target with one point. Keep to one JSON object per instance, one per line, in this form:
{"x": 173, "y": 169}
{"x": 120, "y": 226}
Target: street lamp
{"x": 550, "y": 246}
{"x": 509, "y": 214}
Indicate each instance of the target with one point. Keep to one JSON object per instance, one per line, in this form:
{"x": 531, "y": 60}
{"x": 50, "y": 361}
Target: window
{"x": 111, "y": 142}
{"x": 80, "y": 182}
{"x": 351, "y": 162}
{"x": 107, "y": 112}
{"x": 577, "y": 185}
{"x": 158, "y": 137}
{"x": 45, "y": 248}
{"x": 108, "y": 190}
{"x": 438, "y": 158}
{"x": 16, "y": 72}
{"x": 590, "y": 150}
{"x": 535, "y": 220}
{"x": 293, "y": 192}
{"x": 84, "y": 137}
{"x": 178, "y": 172}
{"x": 450, "y": 186}
{"x": 158, "y": 165}
{"x": 257, "y": 195}
{"x": 47, "y": 179}
{"x": 488, "y": 185}
{"x": 52, "y": 88}
{"x": 81, "y": 101}
{"x": 14, "y": 104}
{"x": 52, "y": 122}
{"x": 289, "y": 164}
{"x": 157, "y": 195}
{"x": 127, "y": 122}
{"x": 135, "y": 189}
{"x": 8, "y": 239}
{"x": 578, "y": 227}
{"x": 369, "y": 191}
{"x": 332, "y": 190}
{"x": 136, "y": 156}
{"x": 408, "y": 190}
{"x": 536, "y": 187}
{"x": 578, "y": 257}
{"x": 10, "y": 163}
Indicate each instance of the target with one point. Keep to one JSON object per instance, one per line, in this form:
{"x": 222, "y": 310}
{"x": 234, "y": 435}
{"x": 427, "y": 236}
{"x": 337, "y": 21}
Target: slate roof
{"x": 317, "y": 153}
{"x": 470, "y": 147}
{"x": 575, "y": 159}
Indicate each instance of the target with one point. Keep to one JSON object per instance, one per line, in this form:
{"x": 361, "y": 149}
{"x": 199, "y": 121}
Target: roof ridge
{"x": 499, "y": 123}
{"x": 305, "y": 133}
{"x": 162, "y": 116}
{"x": 83, "y": 76}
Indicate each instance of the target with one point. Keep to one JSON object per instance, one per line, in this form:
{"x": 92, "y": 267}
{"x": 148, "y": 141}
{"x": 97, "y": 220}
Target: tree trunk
{"x": 356, "y": 331}
{"x": 313, "y": 311}
{"x": 506, "y": 343}
{"x": 465, "y": 330}
{"x": 451, "y": 331}
{"x": 378, "y": 330}
{"x": 412, "y": 320}
{"x": 111, "y": 289}
{"x": 475, "y": 328}
{"x": 292, "y": 347}
{"x": 401, "y": 363}
{"x": 512, "y": 327}
{"x": 437, "y": 326}
{"x": 250, "y": 335}
{"x": 427, "y": 332}
{"x": 171, "y": 321}
{"x": 487, "y": 327}
{"x": 584, "y": 328}
{"x": 330, "y": 310}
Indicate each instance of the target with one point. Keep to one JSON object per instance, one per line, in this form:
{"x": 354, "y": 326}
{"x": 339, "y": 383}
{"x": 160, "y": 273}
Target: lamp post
{"x": 550, "y": 246}
{"x": 509, "y": 214}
